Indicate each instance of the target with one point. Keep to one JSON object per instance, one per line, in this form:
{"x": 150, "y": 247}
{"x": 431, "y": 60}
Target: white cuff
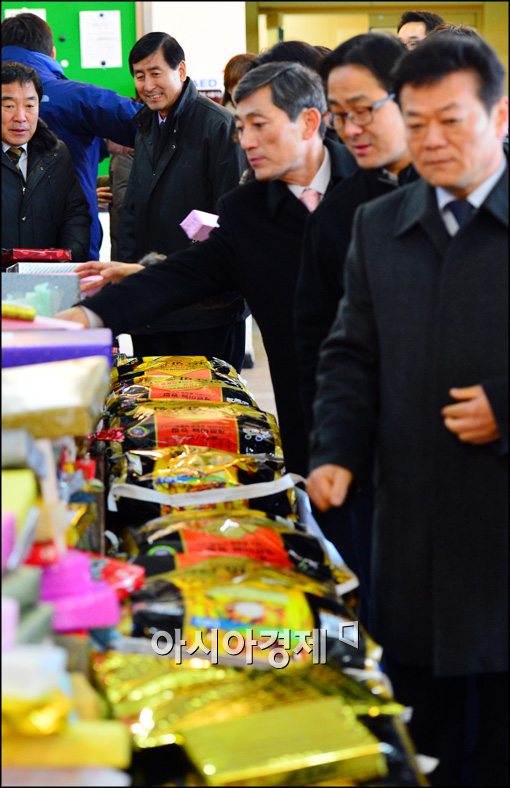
{"x": 94, "y": 320}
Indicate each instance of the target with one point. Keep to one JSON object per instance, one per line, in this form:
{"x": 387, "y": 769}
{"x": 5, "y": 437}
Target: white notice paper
{"x": 100, "y": 39}
{"x": 40, "y": 12}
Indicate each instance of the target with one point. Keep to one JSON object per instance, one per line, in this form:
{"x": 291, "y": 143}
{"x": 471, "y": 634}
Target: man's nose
{"x": 434, "y": 135}
{"x": 20, "y": 114}
{"x": 248, "y": 139}
{"x": 351, "y": 128}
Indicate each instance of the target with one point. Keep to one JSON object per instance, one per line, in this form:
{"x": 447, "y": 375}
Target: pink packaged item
{"x": 8, "y": 536}
{"x": 95, "y": 609}
{"x": 78, "y": 601}
{"x": 10, "y": 618}
{"x": 198, "y": 224}
{"x": 11, "y": 324}
{"x": 72, "y": 574}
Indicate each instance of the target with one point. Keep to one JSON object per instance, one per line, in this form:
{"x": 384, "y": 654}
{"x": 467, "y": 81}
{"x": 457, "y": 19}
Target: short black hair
{"x": 440, "y": 55}
{"x": 28, "y": 31}
{"x": 429, "y": 19}
{"x": 150, "y": 43}
{"x": 456, "y": 30}
{"x": 376, "y": 52}
{"x": 290, "y": 52}
{"x": 12, "y": 71}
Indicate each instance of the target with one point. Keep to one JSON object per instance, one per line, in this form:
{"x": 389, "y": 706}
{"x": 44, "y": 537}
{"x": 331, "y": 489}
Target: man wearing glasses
{"x": 416, "y": 367}
{"x": 365, "y": 116}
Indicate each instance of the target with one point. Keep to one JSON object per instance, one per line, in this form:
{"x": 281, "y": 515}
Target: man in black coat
{"x": 256, "y": 248}
{"x": 363, "y": 111}
{"x": 42, "y": 202}
{"x": 417, "y": 365}
{"x": 185, "y": 159}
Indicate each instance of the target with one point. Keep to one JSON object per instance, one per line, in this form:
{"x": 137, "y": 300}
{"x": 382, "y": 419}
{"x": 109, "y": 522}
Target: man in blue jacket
{"x": 82, "y": 115}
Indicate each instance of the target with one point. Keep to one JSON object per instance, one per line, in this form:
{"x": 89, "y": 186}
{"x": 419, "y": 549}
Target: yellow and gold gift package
{"x": 181, "y": 425}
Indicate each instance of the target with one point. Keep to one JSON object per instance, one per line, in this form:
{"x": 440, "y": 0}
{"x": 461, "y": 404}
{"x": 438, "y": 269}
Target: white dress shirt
{"x": 476, "y": 198}
{"x": 320, "y": 181}
{"x": 23, "y": 160}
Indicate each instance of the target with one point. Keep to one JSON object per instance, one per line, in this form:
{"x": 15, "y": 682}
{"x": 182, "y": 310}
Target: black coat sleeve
{"x": 496, "y": 391}
{"x": 346, "y": 403}
{"x": 205, "y": 270}
{"x": 318, "y": 291}
{"x": 74, "y": 231}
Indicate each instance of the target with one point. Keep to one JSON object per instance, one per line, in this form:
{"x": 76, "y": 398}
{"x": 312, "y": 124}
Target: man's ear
{"x": 54, "y": 53}
{"x": 182, "y": 70}
{"x": 501, "y": 117}
{"x": 311, "y": 118}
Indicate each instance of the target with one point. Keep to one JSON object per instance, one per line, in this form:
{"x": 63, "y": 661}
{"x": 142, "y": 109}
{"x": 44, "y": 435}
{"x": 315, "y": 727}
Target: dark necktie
{"x": 15, "y": 154}
{"x": 160, "y": 138}
{"x": 462, "y": 210}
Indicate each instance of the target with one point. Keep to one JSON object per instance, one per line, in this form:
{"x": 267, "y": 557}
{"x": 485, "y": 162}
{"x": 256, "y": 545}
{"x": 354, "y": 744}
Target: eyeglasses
{"x": 360, "y": 117}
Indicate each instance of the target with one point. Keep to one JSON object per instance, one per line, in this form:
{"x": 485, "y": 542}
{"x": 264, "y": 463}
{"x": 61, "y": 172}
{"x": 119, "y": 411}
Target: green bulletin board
{"x": 64, "y": 20}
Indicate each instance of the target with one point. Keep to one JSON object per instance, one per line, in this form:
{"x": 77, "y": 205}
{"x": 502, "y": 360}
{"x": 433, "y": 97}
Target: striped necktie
{"x": 15, "y": 154}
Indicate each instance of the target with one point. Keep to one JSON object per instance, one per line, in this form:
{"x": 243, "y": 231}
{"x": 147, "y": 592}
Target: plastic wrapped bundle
{"x": 198, "y": 367}
{"x": 181, "y": 540}
{"x": 176, "y": 470}
{"x": 262, "y": 603}
{"x": 225, "y": 427}
{"x": 154, "y": 389}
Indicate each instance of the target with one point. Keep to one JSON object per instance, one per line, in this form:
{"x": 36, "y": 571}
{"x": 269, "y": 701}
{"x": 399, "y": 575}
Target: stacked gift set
{"x": 171, "y": 612}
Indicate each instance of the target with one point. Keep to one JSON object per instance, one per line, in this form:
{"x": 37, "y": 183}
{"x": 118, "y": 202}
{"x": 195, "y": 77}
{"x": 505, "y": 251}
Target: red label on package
{"x": 263, "y": 545}
{"x": 213, "y": 433}
{"x": 206, "y": 394}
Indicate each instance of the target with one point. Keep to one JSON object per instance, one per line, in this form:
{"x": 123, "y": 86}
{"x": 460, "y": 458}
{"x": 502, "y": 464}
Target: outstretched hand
{"x": 110, "y": 272}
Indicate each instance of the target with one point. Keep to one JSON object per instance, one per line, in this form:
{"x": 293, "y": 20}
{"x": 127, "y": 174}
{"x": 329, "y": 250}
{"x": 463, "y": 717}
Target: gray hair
{"x": 293, "y": 88}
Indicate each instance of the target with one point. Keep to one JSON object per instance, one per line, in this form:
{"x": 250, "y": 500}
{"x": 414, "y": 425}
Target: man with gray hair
{"x": 256, "y": 248}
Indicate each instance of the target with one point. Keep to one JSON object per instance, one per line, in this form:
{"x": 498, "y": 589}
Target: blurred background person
{"x": 414, "y": 26}
{"x": 80, "y": 114}
{"x": 234, "y": 71}
{"x": 43, "y": 204}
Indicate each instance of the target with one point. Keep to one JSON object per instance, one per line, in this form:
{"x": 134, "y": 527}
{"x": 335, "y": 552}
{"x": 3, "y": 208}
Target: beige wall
{"x": 330, "y": 23}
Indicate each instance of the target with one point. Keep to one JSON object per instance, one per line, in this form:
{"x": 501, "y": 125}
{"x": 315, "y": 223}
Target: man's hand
{"x": 115, "y": 148}
{"x": 112, "y": 272}
{"x": 76, "y": 314}
{"x": 471, "y": 419}
{"x": 104, "y": 195}
{"x": 328, "y": 486}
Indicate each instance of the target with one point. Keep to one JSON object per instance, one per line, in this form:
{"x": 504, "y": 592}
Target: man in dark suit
{"x": 43, "y": 204}
{"x": 417, "y": 365}
{"x": 185, "y": 159}
{"x": 256, "y": 249}
{"x": 366, "y": 117}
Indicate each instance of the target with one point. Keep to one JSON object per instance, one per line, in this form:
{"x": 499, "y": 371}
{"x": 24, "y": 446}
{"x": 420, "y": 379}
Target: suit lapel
{"x": 281, "y": 200}
{"x": 420, "y": 208}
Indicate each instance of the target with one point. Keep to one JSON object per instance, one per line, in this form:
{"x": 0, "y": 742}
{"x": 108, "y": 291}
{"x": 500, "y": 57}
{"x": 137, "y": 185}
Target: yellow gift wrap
{"x": 19, "y": 494}
{"x": 55, "y": 399}
{"x": 85, "y": 743}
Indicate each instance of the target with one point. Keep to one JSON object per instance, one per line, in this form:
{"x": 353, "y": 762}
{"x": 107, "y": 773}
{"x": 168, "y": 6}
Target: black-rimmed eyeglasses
{"x": 360, "y": 117}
